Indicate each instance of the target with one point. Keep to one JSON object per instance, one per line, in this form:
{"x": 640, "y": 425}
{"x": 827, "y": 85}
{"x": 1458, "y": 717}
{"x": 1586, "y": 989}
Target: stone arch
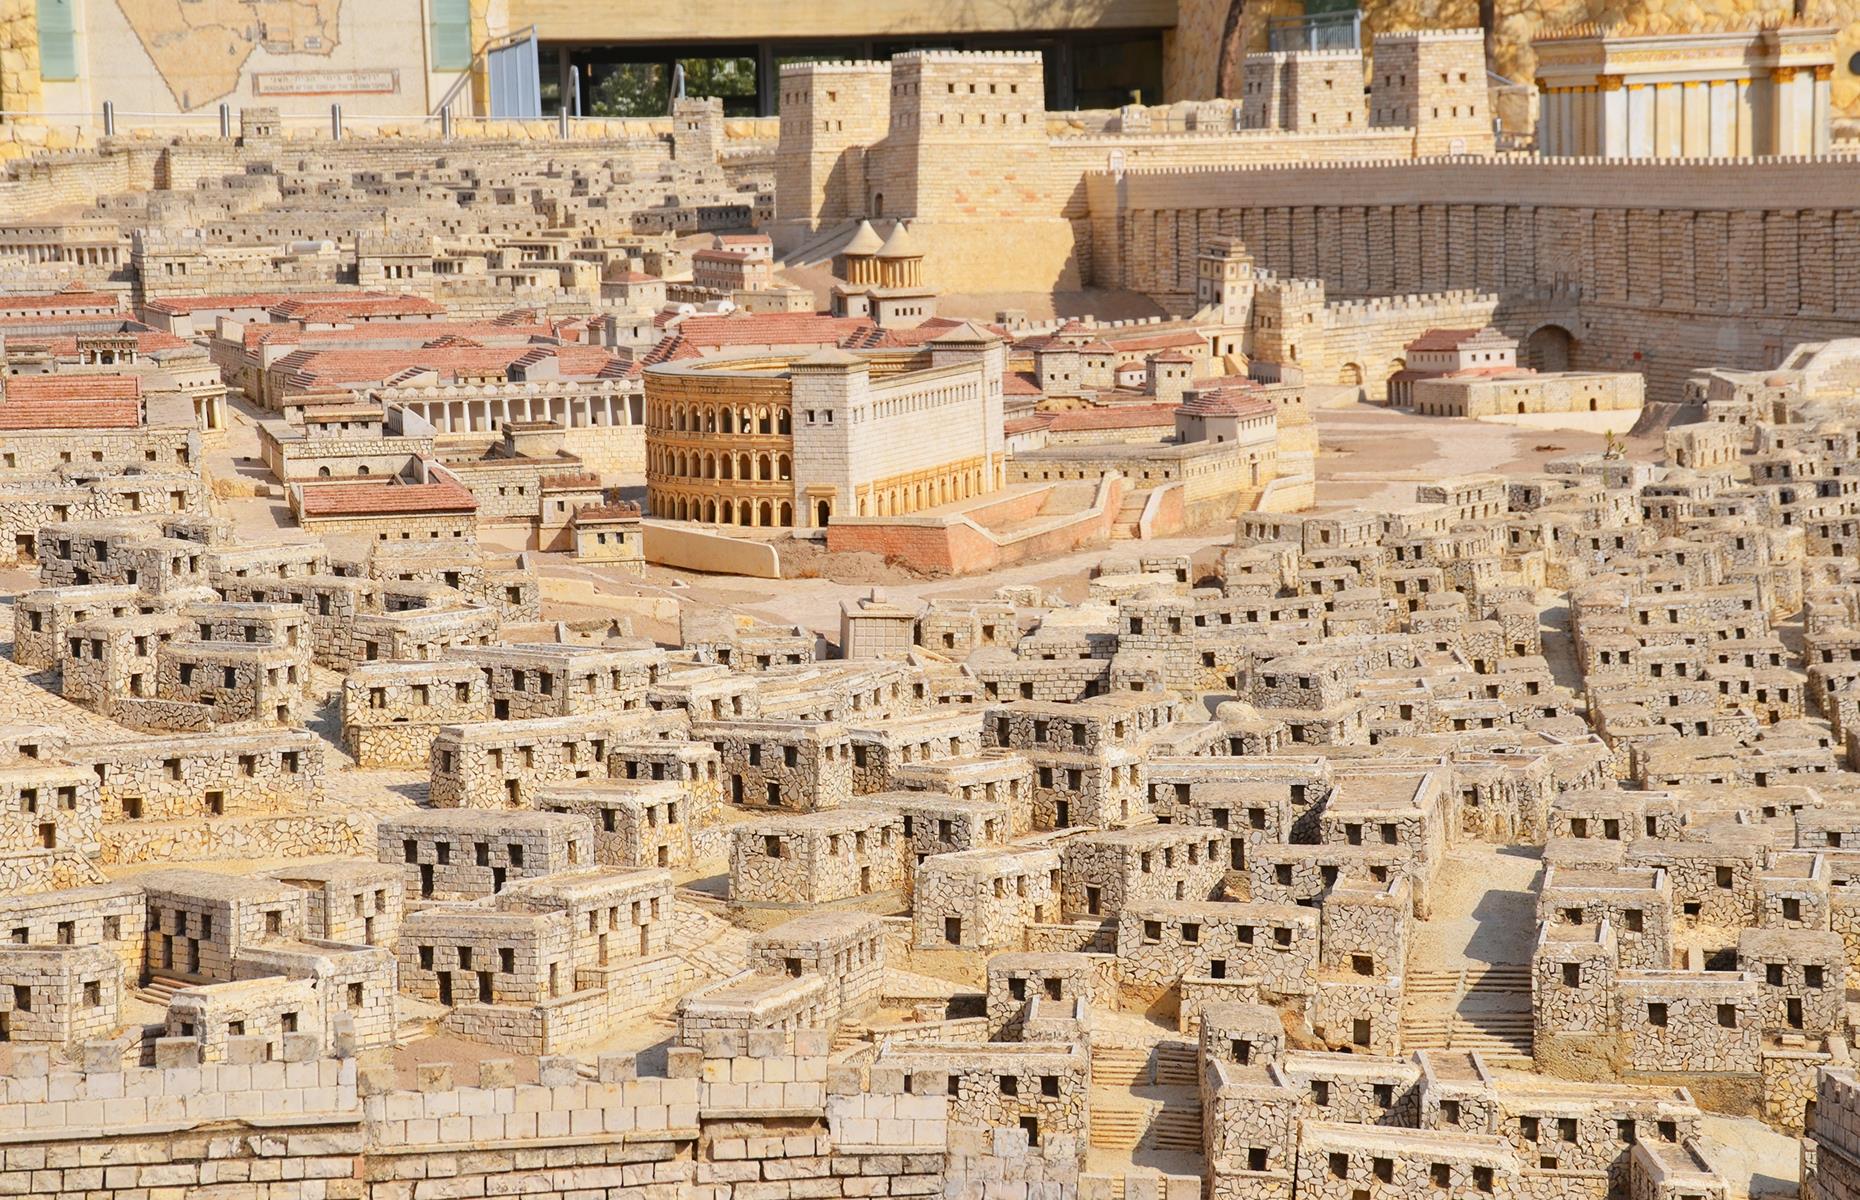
{"x": 784, "y": 421}
{"x": 710, "y": 419}
{"x": 784, "y": 467}
{"x": 726, "y": 467}
{"x": 728, "y": 421}
{"x": 323, "y": 472}
{"x": 1549, "y": 347}
{"x": 765, "y": 468}
{"x": 1350, "y": 374}
{"x": 743, "y": 468}
{"x": 878, "y": 210}
{"x": 787, "y": 513}
{"x": 764, "y": 422}
{"x": 710, "y": 511}
{"x": 767, "y": 515}
{"x": 823, "y": 512}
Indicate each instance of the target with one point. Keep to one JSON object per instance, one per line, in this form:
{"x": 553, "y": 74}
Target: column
{"x": 1746, "y": 128}
{"x": 1548, "y": 128}
{"x": 1640, "y": 104}
{"x": 1823, "y": 109}
{"x": 1785, "y": 112}
{"x": 1614, "y": 117}
{"x": 1668, "y": 121}
{"x": 1568, "y": 129}
{"x": 1721, "y": 112}
{"x": 1695, "y": 118}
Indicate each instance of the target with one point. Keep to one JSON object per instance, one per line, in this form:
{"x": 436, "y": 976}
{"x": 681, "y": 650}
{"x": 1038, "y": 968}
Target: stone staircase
{"x": 1124, "y": 528}
{"x": 160, "y": 989}
{"x": 1485, "y": 1008}
{"x": 1170, "y": 1063}
{"x": 1124, "y": 1121}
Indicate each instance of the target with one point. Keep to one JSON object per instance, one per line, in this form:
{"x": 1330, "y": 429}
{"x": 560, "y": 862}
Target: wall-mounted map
{"x": 200, "y": 46}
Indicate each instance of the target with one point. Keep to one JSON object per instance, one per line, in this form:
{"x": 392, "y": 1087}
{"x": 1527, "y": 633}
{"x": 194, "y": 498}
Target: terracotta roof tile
{"x": 178, "y": 305}
{"x": 1441, "y": 339}
{"x": 63, "y": 298}
{"x": 385, "y": 499}
{"x": 1122, "y": 416}
{"x": 300, "y": 308}
{"x": 29, "y": 389}
{"x": 67, "y": 414}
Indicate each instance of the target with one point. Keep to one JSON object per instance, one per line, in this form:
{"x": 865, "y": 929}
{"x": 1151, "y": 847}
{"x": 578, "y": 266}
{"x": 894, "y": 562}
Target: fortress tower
{"x": 1225, "y": 282}
{"x": 1434, "y": 82}
{"x": 952, "y": 113}
{"x": 697, "y": 130}
{"x": 1306, "y": 91}
{"x": 832, "y": 116}
{"x": 1286, "y": 313}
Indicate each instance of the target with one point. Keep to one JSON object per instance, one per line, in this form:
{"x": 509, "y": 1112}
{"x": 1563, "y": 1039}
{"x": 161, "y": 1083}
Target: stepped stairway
{"x": 1155, "y": 1118}
{"x": 1485, "y": 1008}
{"x": 160, "y": 989}
{"x": 1166, "y": 1063}
{"x": 1124, "y": 528}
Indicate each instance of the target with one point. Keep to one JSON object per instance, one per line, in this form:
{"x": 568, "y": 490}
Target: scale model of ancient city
{"x": 1147, "y": 600}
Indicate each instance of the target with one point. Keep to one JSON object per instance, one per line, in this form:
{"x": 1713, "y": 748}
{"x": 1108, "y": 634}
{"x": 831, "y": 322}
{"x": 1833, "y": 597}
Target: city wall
{"x": 1672, "y": 264}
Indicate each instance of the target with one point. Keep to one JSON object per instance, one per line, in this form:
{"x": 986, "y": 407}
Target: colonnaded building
{"x": 755, "y": 441}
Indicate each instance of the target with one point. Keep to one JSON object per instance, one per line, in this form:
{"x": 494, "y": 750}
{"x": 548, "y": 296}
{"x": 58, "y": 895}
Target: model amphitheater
{"x": 1272, "y": 649}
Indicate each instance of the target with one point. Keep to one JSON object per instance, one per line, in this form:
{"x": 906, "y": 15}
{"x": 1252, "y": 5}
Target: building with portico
{"x": 795, "y": 440}
{"x": 1748, "y": 93}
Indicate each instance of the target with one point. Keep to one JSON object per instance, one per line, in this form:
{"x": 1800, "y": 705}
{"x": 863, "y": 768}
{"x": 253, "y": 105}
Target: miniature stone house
{"x": 464, "y": 855}
{"x": 982, "y": 899}
{"x": 354, "y": 903}
{"x": 60, "y": 995}
{"x": 644, "y": 824}
{"x": 816, "y": 857}
{"x": 846, "y": 950}
{"x": 199, "y": 922}
{"x": 1105, "y": 872}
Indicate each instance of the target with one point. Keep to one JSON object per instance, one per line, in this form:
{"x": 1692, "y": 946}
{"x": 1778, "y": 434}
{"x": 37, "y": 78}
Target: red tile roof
{"x": 1441, "y": 339}
{"x": 1020, "y": 383}
{"x": 385, "y": 499}
{"x": 1122, "y": 416}
{"x": 29, "y": 389}
{"x": 626, "y": 510}
{"x": 300, "y": 308}
{"x": 177, "y": 305}
{"x": 63, "y": 298}
{"x": 1183, "y": 338}
{"x": 1237, "y": 400}
{"x": 774, "y": 329}
{"x": 307, "y": 368}
{"x": 66, "y": 414}
{"x": 481, "y": 332}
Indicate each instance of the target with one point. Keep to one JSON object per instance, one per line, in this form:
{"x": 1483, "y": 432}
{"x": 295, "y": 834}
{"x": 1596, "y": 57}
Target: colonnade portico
{"x": 1705, "y": 95}
{"x": 484, "y": 410}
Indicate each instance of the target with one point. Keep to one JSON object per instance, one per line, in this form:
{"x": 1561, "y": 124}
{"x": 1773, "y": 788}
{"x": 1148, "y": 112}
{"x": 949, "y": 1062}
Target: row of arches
{"x": 909, "y": 498}
{"x": 766, "y": 514}
{"x": 680, "y": 464}
{"x": 705, "y": 418}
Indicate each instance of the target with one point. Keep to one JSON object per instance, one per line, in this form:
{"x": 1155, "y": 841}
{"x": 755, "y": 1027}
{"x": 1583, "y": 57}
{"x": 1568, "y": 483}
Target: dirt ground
{"x": 1370, "y": 455}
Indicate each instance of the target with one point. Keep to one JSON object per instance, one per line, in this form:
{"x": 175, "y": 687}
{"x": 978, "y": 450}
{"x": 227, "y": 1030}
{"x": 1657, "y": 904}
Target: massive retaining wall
{"x": 742, "y": 1118}
{"x": 1673, "y": 264}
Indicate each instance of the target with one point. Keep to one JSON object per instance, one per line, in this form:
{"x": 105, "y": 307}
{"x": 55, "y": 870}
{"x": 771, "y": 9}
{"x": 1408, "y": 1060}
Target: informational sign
{"x": 326, "y": 83}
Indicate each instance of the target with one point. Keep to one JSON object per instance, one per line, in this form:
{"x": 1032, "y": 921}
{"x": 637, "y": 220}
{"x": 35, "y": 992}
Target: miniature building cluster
{"x": 395, "y": 805}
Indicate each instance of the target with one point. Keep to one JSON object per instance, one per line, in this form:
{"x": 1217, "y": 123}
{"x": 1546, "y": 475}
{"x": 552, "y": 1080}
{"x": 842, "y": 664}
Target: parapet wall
{"x": 743, "y": 1113}
{"x": 1670, "y": 263}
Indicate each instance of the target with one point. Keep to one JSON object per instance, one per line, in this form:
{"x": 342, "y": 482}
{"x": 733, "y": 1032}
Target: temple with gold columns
{"x": 1749, "y": 93}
